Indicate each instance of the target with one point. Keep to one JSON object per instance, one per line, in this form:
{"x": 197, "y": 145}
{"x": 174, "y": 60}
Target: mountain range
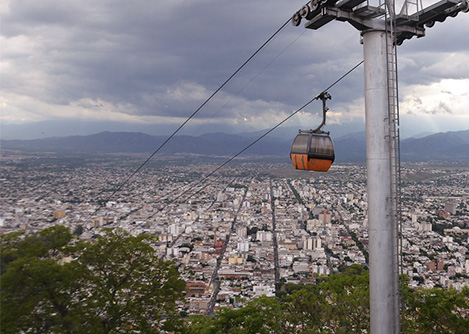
{"x": 447, "y": 146}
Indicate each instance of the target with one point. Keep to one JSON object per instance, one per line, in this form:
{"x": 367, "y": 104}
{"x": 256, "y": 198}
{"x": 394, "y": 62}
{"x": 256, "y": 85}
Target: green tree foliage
{"x": 36, "y": 291}
{"x": 48, "y": 242}
{"x": 437, "y": 311}
{"x": 37, "y": 295}
{"x": 127, "y": 286}
{"x": 52, "y": 283}
{"x": 115, "y": 285}
{"x": 260, "y": 316}
{"x": 338, "y": 304}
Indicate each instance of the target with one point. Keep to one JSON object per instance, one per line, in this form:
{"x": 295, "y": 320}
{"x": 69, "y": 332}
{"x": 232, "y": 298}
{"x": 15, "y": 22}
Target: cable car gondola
{"x": 313, "y": 149}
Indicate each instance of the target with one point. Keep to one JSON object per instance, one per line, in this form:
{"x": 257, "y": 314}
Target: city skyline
{"x": 247, "y": 225}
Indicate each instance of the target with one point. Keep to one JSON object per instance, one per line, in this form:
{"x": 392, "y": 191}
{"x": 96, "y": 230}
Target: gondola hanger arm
{"x": 324, "y": 96}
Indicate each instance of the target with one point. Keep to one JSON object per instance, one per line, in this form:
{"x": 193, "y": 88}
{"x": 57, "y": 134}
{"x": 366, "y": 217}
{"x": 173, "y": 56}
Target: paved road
{"x": 213, "y": 279}
{"x": 274, "y": 235}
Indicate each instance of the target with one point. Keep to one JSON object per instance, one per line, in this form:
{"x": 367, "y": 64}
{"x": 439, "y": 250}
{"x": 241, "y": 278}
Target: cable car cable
{"x": 263, "y": 135}
{"x": 255, "y": 77}
{"x": 192, "y": 115}
{"x": 246, "y": 85}
{"x": 204, "y": 178}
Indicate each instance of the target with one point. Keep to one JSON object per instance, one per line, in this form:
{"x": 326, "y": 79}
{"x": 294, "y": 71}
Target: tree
{"x": 259, "y": 316}
{"x": 437, "y": 311}
{"x": 250, "y": 258}
{"x": 307, "y": 311}
{"x": 116, "y": 285}
{"x": 126, "y": 287}
{"x": 48, "y": 242}
{"x": 336, "y": 304}
{"x": 37, "y": 293}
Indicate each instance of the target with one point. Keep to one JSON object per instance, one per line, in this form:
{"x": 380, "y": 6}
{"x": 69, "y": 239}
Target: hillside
{"x": 447, "y": 146}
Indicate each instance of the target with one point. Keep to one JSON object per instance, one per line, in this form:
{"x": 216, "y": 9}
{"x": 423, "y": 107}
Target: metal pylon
{"x": 381, "y": 31}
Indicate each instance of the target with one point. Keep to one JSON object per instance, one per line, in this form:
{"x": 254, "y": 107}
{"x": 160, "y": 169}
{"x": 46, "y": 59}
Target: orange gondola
{"x": 313, "y": 149}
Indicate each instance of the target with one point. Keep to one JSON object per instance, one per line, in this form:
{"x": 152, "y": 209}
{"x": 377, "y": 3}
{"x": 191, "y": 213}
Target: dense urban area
{"x": 240, "y": 232}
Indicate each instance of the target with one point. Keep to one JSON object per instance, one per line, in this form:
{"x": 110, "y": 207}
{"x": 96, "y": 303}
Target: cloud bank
{"x": 155, "y": 62}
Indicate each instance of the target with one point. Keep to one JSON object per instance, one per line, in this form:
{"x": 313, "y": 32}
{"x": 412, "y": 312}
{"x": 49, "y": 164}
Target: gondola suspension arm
{"x": 324, "y": 96}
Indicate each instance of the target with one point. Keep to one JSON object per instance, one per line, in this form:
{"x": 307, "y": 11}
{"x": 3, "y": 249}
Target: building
{"x": 325, "y": 217}
{"x": 312, "y": 243}
{"x": 59, "y": 214}
{"x": 450, "y": 207}
{"x": 243, "y": 246}
{"x": 264, "y": 236}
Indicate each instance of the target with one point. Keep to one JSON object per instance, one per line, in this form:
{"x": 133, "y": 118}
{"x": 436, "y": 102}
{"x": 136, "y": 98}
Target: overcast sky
{"x": 97, "y": 65}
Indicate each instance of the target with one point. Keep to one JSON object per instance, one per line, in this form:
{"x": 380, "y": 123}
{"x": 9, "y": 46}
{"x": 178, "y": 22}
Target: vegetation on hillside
{"x": 337, "y": 304}
{"x": 113, "y": 284}
{"x": 53, "y": 283}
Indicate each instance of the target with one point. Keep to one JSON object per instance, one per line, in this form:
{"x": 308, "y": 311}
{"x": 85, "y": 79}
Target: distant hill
{"x": 351, "y": 148}
{"x": 219, "y": 144}
{"x": 443, "y": 146}
{"x": 448, "y": 146}
{"x": 438, "y": 146}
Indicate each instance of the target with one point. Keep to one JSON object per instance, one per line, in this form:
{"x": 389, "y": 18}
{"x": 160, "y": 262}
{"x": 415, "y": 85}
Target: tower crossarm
{"x": 363, "y": 16}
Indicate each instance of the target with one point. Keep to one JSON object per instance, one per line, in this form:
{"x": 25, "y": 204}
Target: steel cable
{"x": 190, "y": 117}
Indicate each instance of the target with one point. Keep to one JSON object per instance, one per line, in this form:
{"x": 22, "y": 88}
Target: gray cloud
{"x": 157, "y": 58}
{"x": 443, "y": 108}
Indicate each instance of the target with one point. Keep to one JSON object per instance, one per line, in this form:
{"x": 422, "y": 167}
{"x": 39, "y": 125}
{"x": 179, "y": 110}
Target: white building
{"x": 264, "y": 236}
{"x": 243, "y": 246}
{"x": 312, "y": 243}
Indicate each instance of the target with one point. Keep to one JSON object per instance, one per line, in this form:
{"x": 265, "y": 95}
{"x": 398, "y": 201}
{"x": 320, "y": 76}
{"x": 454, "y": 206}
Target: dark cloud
{"x": 163, "y": 58}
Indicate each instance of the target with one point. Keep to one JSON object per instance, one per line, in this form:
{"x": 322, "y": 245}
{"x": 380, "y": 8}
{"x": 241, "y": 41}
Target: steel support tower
{"x": 382, "y": 29}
